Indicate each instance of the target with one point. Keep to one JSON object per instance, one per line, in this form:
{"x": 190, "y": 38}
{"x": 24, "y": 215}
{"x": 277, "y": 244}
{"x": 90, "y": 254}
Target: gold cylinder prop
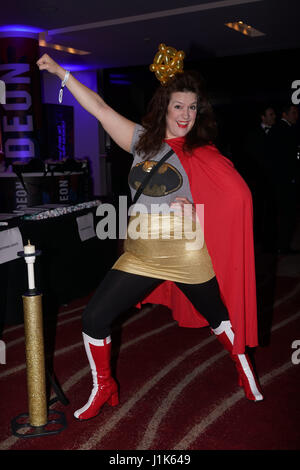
{"x": 39, "y": 421}
{"x": 35, "y": 362}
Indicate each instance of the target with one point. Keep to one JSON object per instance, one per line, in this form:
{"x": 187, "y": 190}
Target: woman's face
{"x": 181, "y": 114}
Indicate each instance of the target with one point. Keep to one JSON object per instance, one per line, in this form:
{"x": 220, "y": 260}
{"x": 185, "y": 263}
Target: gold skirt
{"x": 167, "y": 247}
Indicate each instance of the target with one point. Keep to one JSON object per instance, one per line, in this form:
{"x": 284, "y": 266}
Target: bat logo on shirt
{"x": 165, "y": 181}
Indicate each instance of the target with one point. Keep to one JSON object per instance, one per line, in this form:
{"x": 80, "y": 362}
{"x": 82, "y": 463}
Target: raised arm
{"x": 117, "y": 126}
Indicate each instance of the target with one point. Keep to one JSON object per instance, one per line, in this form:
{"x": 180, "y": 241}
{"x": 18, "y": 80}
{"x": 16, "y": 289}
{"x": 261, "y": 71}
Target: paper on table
{"x": 86, "y": 228}
{"x": 10, "y": 243}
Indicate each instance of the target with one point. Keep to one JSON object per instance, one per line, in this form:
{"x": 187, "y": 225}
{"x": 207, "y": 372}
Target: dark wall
{"x": 237, "y": 85}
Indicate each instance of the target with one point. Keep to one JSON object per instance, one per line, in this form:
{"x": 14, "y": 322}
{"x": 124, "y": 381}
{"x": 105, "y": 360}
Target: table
{"x": 68, "y": 267}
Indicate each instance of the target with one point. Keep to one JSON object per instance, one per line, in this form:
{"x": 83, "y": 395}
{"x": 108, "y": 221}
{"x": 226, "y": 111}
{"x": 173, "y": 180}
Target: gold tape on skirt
{"x": 167, "y": 247}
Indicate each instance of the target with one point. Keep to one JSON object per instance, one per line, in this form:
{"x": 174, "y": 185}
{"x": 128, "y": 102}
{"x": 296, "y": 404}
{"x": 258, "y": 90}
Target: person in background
{"x": 256, "y": 151}
{"x": 284, "y": 175}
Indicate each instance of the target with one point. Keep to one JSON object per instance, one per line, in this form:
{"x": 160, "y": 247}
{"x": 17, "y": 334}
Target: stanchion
{"x": 38, "y": 421}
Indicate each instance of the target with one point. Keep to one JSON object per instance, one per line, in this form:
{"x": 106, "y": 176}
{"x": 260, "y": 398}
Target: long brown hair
{"x": 154, "y": 122}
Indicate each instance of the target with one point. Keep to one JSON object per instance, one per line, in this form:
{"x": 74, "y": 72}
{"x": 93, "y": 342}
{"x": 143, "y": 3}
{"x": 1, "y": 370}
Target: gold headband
{"x": 167, "y": 62}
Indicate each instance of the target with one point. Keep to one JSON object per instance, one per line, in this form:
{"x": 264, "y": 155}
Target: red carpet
{"x": 178, "y": 388}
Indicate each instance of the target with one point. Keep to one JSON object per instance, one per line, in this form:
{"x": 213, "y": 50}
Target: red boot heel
{"x": 113, "y": 400}
{"x": 247, "y": 378}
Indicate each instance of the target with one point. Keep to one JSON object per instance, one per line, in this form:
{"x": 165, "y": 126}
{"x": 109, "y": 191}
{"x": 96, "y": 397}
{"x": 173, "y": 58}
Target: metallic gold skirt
{"x": 167, "y": 247}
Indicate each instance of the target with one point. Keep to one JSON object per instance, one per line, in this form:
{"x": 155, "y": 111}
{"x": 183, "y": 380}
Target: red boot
{"x": 105, "y": 389}
{"x": 244, "y": 368}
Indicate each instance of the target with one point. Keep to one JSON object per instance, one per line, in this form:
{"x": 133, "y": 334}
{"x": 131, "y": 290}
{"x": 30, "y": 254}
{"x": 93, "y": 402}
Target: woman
{"x": 210, "y": 281}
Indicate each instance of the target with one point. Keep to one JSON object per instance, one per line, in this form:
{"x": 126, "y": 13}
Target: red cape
{"x": 228, "y": 232}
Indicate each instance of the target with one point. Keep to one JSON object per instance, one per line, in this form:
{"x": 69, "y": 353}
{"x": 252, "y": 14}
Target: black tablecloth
{"x": 67, "y": 268}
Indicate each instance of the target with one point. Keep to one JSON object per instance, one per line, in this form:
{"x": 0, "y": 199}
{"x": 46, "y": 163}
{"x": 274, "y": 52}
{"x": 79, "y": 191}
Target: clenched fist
{"x": 47, "y": 63}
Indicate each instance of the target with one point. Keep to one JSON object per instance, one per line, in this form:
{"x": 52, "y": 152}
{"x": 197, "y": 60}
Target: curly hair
{"x": 204, "y": 130}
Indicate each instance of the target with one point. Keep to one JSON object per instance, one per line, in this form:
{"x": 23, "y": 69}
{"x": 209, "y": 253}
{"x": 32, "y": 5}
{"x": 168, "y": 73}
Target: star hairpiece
{"x": 167, "y": 63}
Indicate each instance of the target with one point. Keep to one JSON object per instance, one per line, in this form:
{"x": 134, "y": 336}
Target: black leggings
{"x": 119, "y": 291}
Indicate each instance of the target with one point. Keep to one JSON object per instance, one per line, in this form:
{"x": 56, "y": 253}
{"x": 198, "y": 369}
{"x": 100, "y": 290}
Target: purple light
{"x": 20, "y": 28}
{"x": 120, "y": 82}
{"x": 118, "y": 75}
{"x": 77, "y": 67}
{"x": 119, "y": 79}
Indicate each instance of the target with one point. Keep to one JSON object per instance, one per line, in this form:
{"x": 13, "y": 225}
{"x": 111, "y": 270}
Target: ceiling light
{"x": 59, "y": 47}
{"x": 244, "y": 28}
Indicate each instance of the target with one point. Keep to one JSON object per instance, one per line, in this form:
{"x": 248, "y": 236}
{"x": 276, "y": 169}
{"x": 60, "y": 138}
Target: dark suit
{"x": 257, "y": 148}
{"x": 257, "y": 174}
{"x": 282, "y": 159}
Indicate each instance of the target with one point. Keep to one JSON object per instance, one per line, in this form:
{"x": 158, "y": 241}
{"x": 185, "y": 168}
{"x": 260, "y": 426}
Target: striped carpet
{"x": 178, "y": 387}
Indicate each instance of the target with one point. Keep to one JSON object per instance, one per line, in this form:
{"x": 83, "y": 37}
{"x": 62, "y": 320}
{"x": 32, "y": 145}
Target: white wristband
{"x": 63, "y": 84}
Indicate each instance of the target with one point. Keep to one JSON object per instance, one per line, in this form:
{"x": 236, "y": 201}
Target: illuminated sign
{"x": 21, "y": 112}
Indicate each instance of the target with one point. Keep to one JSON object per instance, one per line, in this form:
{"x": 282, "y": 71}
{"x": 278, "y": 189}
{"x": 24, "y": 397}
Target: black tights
{"x": 119, "y": 291}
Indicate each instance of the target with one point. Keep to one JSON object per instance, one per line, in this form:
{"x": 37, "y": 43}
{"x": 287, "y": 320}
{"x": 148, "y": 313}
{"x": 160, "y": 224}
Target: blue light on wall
{"x": 118, "y": 75}
{"x": 77, "y": 67}
{"x": 20, "y": 28}
{"x": 119, "y": 79}
{"x": 120, "y": 82}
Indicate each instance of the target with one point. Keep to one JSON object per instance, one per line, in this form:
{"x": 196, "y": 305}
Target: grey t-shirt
{"x": 169, "y": 182}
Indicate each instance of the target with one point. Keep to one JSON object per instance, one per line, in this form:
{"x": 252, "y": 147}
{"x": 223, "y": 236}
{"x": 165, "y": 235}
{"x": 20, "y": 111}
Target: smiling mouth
{"x": 182, "y": 125}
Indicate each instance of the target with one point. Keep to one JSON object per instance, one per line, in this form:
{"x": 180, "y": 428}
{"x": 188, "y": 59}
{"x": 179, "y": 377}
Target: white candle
{"x": 30, "y": 250}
